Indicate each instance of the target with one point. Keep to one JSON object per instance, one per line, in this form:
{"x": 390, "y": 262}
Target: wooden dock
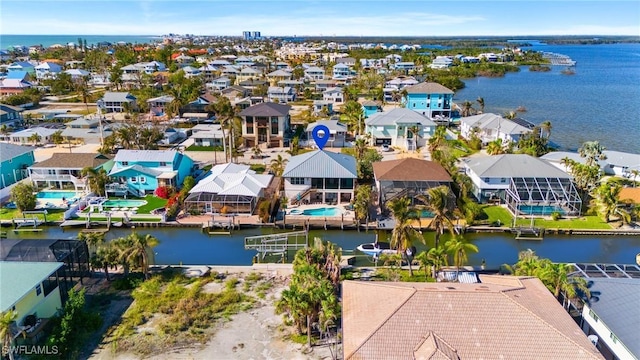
{"x": 528, "y": 233}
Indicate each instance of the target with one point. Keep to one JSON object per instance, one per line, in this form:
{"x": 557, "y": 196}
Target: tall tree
{"x": 592, "y": 151}
{"x": 467, "y": 108}
{"x": 459, "y": 247}
{"x": 134, "y": 251}
{"x": 97, "y": 179}
{"x": 23, "y": 195}
{"x": 7, "y": 320}
{"x": 362, "y": 202}
{"x": 403, "y": 233}
{"x": 355, "y": 116}
{"x": 556, "y": 277}
{"x": 438, "y": 201}
{"x": 606, "y": 198}
{"x": 546, "y": 127}
{"x": 480, "y": 102}
{"x": 495, "y": 147}
{"x": 278, "y": 165}
{"x": 224, "y": 114}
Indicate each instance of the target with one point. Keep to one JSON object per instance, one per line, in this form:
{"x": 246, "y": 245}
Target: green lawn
{"x": 53, "y": 214}
{"x": 495, "y": 213}
{"x": 153, "y": 202}
{"x": 204, "y": 148}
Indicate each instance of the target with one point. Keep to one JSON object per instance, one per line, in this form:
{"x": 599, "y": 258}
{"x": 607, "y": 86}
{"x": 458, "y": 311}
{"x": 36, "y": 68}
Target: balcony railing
{"x": 57, "y": 177}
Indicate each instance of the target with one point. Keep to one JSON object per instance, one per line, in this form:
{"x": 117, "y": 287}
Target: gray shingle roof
{"x": 118, "y": 97}
{"x": 398, "y": 116}
{"x": 617, "y": 304}
{"x": 321, "y": 164}
{"x": 10, "y": 151}
{"x": 428, "y": 88}
{"x": 73, "y": 161}
{"x": 513, "y": 165}
{"x": 266, "y": 109}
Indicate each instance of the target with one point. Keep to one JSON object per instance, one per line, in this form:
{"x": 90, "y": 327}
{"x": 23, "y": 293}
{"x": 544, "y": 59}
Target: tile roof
{"x": 398, "y": 116}
{"x": 428, "y": 88}
{"x": 513, "y": 165}
{"x": 489, "y": 320}
{"x": 617, "y": 304}
{"x": 628, "y": 193}
{"x": 266, "y": 109}
{"x": 10, "y": 151}
{"x": 321, "y": 164}
{"x": 17, "y": 278}
{"x": 410, "y": 169}
{"x": 73, "y": 161}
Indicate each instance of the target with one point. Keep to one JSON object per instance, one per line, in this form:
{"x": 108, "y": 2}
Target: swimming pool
{"x": 124, "y": 203}
{"x": 332, "y": 211}
{"x": 55, "y": 194}
{"x": 539, "y": 209}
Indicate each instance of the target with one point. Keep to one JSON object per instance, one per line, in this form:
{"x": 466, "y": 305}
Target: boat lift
{"x": 274, "y": 244}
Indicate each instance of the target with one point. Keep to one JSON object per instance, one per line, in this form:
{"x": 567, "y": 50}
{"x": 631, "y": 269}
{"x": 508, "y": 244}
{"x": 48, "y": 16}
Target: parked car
{"x": 386, "y": 148}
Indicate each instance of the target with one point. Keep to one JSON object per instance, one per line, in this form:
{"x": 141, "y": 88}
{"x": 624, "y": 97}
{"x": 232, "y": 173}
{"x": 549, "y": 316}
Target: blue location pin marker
{"x": 320, "y": 139}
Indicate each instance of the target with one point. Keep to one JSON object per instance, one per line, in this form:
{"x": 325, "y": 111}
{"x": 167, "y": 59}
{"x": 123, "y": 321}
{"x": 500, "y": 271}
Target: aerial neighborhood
{"x": 271, "y": 145}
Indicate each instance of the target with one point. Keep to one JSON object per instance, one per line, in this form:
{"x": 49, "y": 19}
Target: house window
{"x": 486, "y": 180}
{"x": 38, "y": 289}
{"x": 317, "y": 183}
{"x": 162, "y": 163}
{"x": 143, "y": 179}
{"x": 297, "y": 181}
{"x": 134, "y": 179}
{"x": 346, "y": 183}
{"x": 125, "y": 163}
{"x": 593, "y": 315}
{"x": 274, "y": 125}
{"x": 503, "y": 180}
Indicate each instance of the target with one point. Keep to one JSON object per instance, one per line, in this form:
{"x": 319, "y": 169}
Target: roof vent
{"x": 451, "y": 288}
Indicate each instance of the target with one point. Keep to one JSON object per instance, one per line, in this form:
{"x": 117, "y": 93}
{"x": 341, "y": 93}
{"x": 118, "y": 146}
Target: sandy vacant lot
{"x": 255, "y": 334}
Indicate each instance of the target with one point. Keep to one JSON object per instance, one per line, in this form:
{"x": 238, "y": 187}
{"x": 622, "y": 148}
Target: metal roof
{"x": 10, "y": 151}
{"x": 428, "y": 88}
{"x": 18, "y": 278}
{"x": 513, "y": 165}
{"x": 493, "y": 121}
{"x": 398, "y": 116}
{"x": 232, "y": 179}
{"x": 117, "y": 97}
{"x": 42, "y": 131}
{"x": 335, "y": 126}
{"x": 146, "y": 156}
{"x": 321, "y": 164}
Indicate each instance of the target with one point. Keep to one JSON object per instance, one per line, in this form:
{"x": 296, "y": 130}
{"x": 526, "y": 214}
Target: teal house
{"x": 15, "y": 161}
{"x": 141, "y": 172}
{"x": 369, "y": 108}
{"x": 430, "y": 99}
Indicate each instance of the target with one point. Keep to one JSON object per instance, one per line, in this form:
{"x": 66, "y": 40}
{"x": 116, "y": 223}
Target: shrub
{"x": 556, "y": 215}
{"x": 164, "y": 192}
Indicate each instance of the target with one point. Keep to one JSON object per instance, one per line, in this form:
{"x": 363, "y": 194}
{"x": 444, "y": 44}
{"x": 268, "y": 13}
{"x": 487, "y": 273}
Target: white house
{"x": 337, "y": 133}
{"x": 320, "y": 177}
{"x": 281, "y": 94}
{"x": 47, "y": 70}
{"x": 399, "y": 127}
{"x": 489, "y": 127}
{"x": 314, "y": 73}
{"x": 334, "y": 95}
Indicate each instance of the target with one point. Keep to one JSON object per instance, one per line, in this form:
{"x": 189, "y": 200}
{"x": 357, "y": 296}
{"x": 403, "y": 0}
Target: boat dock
{"x": 277, "y": 244}
{"x": 558, "y": 59}
{"x": 528, "y": 233}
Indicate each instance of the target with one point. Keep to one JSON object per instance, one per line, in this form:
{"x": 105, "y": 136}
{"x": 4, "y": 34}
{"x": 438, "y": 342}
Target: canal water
{"x": 190, "y": 246}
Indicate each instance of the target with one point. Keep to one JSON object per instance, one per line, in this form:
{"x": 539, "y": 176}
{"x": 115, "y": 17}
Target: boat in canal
{"x": 376, "y": 249}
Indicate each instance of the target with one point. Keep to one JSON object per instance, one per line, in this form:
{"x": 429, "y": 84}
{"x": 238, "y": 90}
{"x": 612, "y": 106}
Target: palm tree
{"x": 546, "y": 127}
{"x": 439, "y": 258}
{"x": 7, "y": 319}
{"x": 556, "y": 277}
{"x": 592, "y": 151}
{"x": 97, "y": 179}
{"x": 495, "y": 147}
{"x": 480, "y": 102}
{"x": 4, "y": 129}
{"x": 92, "y": 239}
{"x": 83, "y": 90}
{"x": 440, "y": 204}
{"x": 510, "y": 115}
{"x": 277, "y": 165}
{"x": 104, "y": 257}
{"x": 35, "y": 137}
{"x": 224, "y": 113}
{"x": 635, "y": 173}
{"x": 135, "y": 251}
{"x": 362, "y": 202}
{"x": 360, "y": 147}
{"x": 458, "y": 247}
{"x": 606, "y": 198}
{"x": 403, "y": 232}
{"x": 355, "y": 116}
{"x": 467, "y": 108}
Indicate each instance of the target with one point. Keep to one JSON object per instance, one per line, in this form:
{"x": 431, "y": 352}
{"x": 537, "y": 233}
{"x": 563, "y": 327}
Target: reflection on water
{"x": 191, "y": 246}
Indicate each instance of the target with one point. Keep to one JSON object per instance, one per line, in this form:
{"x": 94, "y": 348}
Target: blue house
{"x": 430, "y": 99}
{"x": 15, "y": 161}
{"x": 22, "y": 66}
{"x": 10, "y": 115}
{"x": 141, "y": 172}
{"x": 369, "y": 108}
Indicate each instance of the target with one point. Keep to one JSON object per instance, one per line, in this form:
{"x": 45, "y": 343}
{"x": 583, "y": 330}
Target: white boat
{"x": 376, "y": 249}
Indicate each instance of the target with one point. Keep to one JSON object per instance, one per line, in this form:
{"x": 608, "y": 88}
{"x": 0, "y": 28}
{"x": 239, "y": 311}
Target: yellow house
{"x": 30, "y": 288}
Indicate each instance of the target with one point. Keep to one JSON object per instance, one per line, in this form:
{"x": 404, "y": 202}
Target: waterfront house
{"x": 334, "y": 95}
{"x": 337, "y": 133}
{"x": 47, "y": 70}
{"x": 401, "y": 82}
{"x": 616, "y": 163}
{"x": 441, "y": 62}
{"x": 15, "y": 160}
{"x": 22, "y": 66}
{"x": 528, "y": 185}
{"x": 143, "y": 171}
{"x": 266, "y": 123}
{"x": 10, "y": 115}
{"x": 86, "y": 130}
{"x": 34, "y": 290}
{"x": 24, "y": 137}
{"x": 429, "y": 99}
{"x": 158, "y": 105}
{"x": 610, "y": 316}
{"x": 314, "y": 73}
{"x": 64, "y": 170}
{"x": 399, "y": 127}
{"x": 281, "y": 94}
{"x": 408, "y": 177}
{"x": 500, "y": 317}
{"x": 370, "y": 107}
{"x": 118, "y": 101}
{"x": 320, "y": 177}
{"x": 489, "y": 127}
{"x": 234, "y": 187}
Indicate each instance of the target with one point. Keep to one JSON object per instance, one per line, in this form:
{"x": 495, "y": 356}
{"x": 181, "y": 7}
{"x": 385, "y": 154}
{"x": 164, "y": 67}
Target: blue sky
{"x": 322, "y": 17}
